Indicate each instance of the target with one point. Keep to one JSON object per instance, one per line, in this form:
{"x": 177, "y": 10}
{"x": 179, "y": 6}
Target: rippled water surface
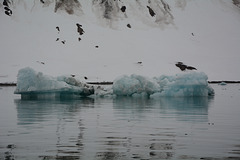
{"x": 121, "y": 127}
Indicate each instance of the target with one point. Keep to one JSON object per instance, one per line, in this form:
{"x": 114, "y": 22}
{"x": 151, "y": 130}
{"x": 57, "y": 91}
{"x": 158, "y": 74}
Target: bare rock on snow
{"x": 79, "y": 29}
{"x": 70, "y": 6}
{"x": 151, "y": 12}
{"x": 236, "y": 2}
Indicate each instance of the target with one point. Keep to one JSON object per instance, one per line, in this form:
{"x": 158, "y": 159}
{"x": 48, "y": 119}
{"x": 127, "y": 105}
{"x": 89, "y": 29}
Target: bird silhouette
{"x": 184, "y": 67}
{"x": 58, "y": 29}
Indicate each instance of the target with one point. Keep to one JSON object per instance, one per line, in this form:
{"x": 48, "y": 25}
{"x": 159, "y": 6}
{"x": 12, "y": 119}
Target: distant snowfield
{"x": 203, "y": 34}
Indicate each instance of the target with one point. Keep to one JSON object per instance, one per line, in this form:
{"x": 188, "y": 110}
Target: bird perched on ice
{"x": 184, "y": 67}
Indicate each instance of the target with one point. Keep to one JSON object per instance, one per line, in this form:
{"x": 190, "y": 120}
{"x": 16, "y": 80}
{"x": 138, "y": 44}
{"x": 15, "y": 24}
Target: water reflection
{"x": 193, "y": 109}
{"x": 62, "y": 127}
{"x": 184, "y": 108}
{"x": 31, "y": 111}
{"x": 109, "y": 128}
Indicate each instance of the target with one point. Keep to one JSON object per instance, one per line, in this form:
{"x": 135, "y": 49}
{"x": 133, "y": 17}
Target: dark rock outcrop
{"x": 8, "y": 11}
{"x": 236, "y": 2}
{"x": 70, "y": 6}
{"x": 129, "y": 26}
{"x": 151, "y": 12}
{"x": 123, "y": 8}
{"x": 79, "y": 29}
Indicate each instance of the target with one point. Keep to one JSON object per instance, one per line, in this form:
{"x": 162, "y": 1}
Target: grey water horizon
{"x": 121, "y": 127}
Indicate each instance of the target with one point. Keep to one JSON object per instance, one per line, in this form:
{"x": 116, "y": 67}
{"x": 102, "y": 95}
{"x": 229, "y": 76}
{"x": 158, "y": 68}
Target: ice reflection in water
{"x": 59, "y": 123}
{"x": 121, "y": 128}
{"x": 109, "y": 128}
{"x": 186, "y": 109}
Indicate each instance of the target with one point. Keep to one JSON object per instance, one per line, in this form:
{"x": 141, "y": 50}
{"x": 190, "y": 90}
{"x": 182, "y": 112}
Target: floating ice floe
{"x": 184, "y": 84}
{"x": 180, "y": 85}
{"x": 32, "y": 84}
{"x": 222, "y": 83}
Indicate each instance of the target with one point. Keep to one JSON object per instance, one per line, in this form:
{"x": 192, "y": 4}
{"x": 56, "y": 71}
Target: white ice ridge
{"x": 30, "y": 82}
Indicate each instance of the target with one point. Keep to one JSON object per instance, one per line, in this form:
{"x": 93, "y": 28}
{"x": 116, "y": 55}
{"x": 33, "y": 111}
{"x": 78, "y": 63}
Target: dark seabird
{"x": 40, "y": 62}
{"x": 58, "y": 29}
{"x": 183, "y": 67}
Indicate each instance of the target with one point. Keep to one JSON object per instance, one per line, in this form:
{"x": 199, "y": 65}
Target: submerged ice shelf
{"x": 32, "y": 84}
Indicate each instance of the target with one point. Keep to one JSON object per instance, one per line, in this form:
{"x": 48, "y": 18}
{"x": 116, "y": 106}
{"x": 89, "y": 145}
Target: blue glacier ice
{"x": 179, "y": 85}
{"x": 134, "y": 85}
{"x": 32, "y": 84}
{"x": 184, "y": 84}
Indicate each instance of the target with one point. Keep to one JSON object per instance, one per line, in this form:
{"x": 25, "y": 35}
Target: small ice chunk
{"x": 222, "y": 83}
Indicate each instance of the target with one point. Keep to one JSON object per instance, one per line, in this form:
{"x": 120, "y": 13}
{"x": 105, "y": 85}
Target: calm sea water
{"x": 121, "y": 127}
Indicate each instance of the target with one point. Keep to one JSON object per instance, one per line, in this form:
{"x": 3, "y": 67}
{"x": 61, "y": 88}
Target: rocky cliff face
{"x": 70, "y": 6}
{"x": 156, "y": 12}
{"x": 236, "y": 2}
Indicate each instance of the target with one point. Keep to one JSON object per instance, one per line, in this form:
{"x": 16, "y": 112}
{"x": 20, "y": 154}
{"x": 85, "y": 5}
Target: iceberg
{"x": 32, "y": 84}
{"x": 188, "y": 84}
{"x": 185, "y": 85}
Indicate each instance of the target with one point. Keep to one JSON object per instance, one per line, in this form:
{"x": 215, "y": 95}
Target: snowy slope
{"x": 204, "y": 34}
